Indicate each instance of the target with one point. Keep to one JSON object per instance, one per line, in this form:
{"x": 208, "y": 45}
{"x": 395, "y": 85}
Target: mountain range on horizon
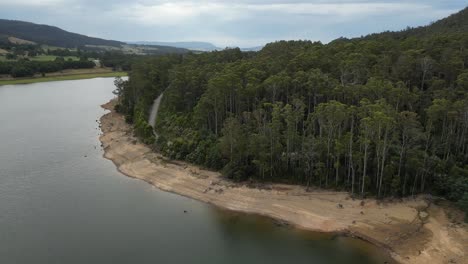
{"x": 192, "y": 45}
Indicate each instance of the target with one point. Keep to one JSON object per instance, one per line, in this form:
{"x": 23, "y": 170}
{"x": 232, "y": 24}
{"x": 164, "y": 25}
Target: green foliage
{"x": 142, "y": 128}
{"x": 384, "y": 115}
{"x": 10, "y": 56}
{"x": 28, "y": 68}
{"x": 21, "y": 71}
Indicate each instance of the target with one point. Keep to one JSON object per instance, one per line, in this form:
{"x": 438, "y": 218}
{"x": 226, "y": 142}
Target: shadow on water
{"x": 319, "y": 247}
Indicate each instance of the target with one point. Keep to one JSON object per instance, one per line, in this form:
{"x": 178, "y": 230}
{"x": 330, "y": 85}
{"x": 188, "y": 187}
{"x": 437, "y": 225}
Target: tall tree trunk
{"x": 271, "y": 157}
{"x": 350, "y": 163}
{"x": 384, "y": 154}
{"x": 216, "y": 116}
{"x": 399, "y": 169}
{"x": 337, "y": 167}
{"x": 364, "y": 169}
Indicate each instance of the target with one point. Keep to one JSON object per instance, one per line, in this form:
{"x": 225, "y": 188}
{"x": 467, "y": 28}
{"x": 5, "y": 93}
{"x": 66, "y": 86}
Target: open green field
{"x": 51, "y": 58}
{"x": 48, "y": 47}
{"x": 3, "y": 58}
{"x": 43, "y": 58}
{"x": 63, "y": 78}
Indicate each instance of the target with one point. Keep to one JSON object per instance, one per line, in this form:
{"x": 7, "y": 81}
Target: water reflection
{"x": 320, "y": 247}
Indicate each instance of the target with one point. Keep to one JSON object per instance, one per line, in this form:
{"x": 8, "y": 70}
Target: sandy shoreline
{"x": 400, "y": 227}
{"x": 71, "y": 74}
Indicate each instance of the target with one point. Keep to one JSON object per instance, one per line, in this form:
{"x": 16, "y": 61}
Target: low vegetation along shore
{"x": 64, "y": 75}
{"x": 417, "y": 230}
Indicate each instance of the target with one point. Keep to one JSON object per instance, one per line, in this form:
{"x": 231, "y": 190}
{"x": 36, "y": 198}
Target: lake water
{"x": 62, "y": 202}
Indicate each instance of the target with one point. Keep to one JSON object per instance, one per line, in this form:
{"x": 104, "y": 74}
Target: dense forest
{"x": 382, "y": 115}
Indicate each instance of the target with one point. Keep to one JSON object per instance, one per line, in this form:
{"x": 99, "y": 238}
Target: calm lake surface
{"x": 62, "y": 202}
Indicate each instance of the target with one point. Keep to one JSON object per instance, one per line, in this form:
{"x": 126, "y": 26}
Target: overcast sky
{"x": 243, "y": 23}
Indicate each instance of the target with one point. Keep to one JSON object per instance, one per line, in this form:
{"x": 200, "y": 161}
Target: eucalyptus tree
{"x": 330, "y": 117}
{"x": 410, "y": 136}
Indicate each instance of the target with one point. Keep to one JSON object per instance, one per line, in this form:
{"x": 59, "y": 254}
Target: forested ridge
{"x": 44, "y": 34}
{"x": 456, "y": 23}
{"x": 384, "y": 115}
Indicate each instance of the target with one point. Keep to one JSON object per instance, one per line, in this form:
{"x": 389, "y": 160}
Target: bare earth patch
{"x": 19, "y": 41}
{"x": 412, "y": 230}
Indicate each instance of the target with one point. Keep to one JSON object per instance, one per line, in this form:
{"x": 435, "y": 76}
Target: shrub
{"x": 21, "y": 71}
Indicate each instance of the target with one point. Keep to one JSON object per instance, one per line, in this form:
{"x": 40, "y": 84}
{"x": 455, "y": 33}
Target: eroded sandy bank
{"x": 399, "y": 226}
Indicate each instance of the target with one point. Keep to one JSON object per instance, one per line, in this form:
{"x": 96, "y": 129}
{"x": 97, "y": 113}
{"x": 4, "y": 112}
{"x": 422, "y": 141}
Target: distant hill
{"x": 258, "y": 48}
{"x": 20, "y": 32}
{"x": 151, "y": 49}
{"x": 50, "y": 35}
{"x": 191, "y": 45}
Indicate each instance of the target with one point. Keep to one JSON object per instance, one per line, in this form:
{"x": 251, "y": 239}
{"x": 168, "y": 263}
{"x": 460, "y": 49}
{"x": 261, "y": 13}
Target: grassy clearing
{"x": 51, "y": 58}
{"x": 42, "y": 58}
{"x": 47, "y": 47}
{"x": 3, "y": 58}
{"x": 63, "y": 78}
